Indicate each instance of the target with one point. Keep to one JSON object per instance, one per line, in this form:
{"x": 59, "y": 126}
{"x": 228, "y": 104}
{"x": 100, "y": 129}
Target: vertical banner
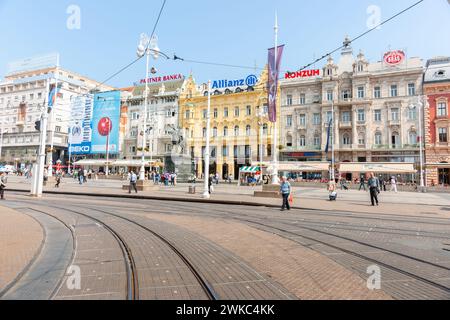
{"x": 53, "y": 94}
{"x": 106, "y": 123}
{"x": 272, "y": 87}
{"x": 327, "y": 148}
{"x": 80, "y": 131}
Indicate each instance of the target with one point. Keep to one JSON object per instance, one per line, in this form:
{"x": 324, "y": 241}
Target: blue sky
{"x": 231, "y": 32}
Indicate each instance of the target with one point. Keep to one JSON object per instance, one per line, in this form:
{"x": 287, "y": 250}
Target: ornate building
{"x": 375, "y": 105}
{"x": 239, "y": 124}
{"x": 437, "y": 120}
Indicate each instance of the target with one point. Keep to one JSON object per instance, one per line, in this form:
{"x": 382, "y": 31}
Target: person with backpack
{"x": 2, "y": 185}
{"x": 285, "y": 190}
{"x": 133, "y": 182}
{"x": 362, "y": 184}
{"x": 374, "y": 187}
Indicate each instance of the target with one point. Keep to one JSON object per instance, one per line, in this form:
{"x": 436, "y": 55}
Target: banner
{"x": 80, "y": 131}
{"x": 106, "y": 122}
{"x": 272, "y": 88}
{"x": 329, "y": 135}
{"x": 52, "y": 94}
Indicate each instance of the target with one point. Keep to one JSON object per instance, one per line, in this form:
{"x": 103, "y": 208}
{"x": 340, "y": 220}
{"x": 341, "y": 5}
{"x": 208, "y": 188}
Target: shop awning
{"x": 304, "y": 166}
{"x": 132, "y": 163}
{"x": 117, "y": 163}
{"x": 398, "y": 168}
{"x": 92, "y": 163}
{"x": 438, "y": 165}
{"x": 250, "y": 169}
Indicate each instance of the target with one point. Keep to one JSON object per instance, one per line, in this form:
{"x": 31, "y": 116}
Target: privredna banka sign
{"x": 160, "y": 79}
{"x": 302, "y": 74}
{"x": 394, "y": 58}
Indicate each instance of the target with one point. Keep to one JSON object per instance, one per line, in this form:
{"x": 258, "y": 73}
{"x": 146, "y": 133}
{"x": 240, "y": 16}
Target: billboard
{"x": 95, "y": 124}
{"x": 106, "y": 123}
{"x": 35, "y": 63}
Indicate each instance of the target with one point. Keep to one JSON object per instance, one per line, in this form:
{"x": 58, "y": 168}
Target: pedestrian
{"x": 344, "y": 184}
{"x": 80, "y": 177}
{"x": 332, "y": 189}
{"x": 133, "y": 182}
{"x": 210, "y": 184}
{"x": 2, "y": 185}
{"x": 374, "y": 187}
{"x": 285, "y": 190}
{"x": 362, "y": 184}
{"x": 58, "y": 180}
{"x": 85, "y": 173}
{"x": 217, "y": 178}
{"x": 394, "y": 184}
{"x": 230, "y": 179}
{"x": 174, "y": 179}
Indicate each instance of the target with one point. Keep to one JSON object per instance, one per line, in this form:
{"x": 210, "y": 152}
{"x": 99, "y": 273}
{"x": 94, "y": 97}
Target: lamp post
{"x": 421, "y": 123}
{"x": 261, "y": 115}
{"x": 206, "y": 194}
{"x": 1, "y": 139}
{"x": 148, "y": 47}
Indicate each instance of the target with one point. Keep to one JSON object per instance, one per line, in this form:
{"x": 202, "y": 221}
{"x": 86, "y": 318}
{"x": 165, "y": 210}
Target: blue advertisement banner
{"x": 80, "y": 131}
{"x": 106, "y": 123}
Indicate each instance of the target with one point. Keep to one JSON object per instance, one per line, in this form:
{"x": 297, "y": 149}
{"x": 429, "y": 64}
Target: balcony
{"x": 393, "y": 122}
{"x": 345, "y": 125}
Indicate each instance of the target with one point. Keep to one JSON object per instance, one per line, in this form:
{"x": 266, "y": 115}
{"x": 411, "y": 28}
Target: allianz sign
{"x": 250, "y": 81}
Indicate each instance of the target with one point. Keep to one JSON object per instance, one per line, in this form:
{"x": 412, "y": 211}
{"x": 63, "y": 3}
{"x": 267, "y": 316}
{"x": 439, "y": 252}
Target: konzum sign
{"x": 302, "y": 74}
{"x": 394, "y": 57}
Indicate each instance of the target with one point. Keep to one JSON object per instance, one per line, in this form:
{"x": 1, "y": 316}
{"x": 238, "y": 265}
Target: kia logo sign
{"x": 394, "y": 57}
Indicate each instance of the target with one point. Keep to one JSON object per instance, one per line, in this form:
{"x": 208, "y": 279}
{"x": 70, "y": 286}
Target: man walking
{"x": 285, "y": 190}
{"x": 374, "y": 187}
{"x": 394, "y": 184}
{"x": 133, "y": 182}
{"x": 2, "y": 185}
{"x": 362, "y": 184}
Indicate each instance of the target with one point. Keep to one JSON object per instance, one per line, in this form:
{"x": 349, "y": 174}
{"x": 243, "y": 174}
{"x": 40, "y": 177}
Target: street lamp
{"x": 206, "y": 194}
{"x": 262, "y": 115}
{"x": 148, "y": 47}
{"x": 421, "y": 122}
{"x": 1, "y": 139}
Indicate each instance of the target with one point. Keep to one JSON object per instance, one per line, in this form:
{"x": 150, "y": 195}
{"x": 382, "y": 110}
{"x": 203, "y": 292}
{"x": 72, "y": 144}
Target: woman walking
{"x": 285, "y": 190}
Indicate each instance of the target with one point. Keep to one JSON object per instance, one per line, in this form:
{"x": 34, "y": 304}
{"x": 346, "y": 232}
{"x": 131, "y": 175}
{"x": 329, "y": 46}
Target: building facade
{"x": 437, "y": 121}
{"x": 375, "y": 109}
{"x": 23, "y": 94}
{"x": 162, "y": 119}
{"x": 240, "y": 129}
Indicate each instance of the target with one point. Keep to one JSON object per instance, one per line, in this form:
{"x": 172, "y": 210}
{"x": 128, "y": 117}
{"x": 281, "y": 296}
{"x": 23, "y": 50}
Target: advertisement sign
{"x": 249, "y": 81}
{"x": 106, "y": 122}
{"x": 274, "y": 71}
{"x": 302, "y": 74}
{"x": 160, "y": 79}
{"x": 35, "y": 63}
{"x": 80, "y": 132}
{"x": 394, "y": 58}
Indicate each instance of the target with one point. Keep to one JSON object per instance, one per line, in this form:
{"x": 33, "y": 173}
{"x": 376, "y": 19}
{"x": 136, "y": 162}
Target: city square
{"x": 194, "y": 175}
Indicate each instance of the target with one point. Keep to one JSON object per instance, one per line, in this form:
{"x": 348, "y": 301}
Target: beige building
{"x": 375, "y": 104}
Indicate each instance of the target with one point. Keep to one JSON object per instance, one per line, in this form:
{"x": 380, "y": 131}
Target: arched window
{"x": 265, "y": 129}
{"x": 248, "y": 131}
{"x": 289, "y": 141}
{"x": 225, "y": 131}
{"x": 302, "y": 141}
{"x": 412, "y": 137}
{"x": 378, "y": 139}
{"x": 236, "y": 131}
{"x": 346, "y": 140}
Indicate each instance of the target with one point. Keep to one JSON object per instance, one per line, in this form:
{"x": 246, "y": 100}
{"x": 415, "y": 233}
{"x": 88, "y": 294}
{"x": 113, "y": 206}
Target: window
{"x": 204, "y": 132}
{"x": 303, "y": 120}
{"x": 377, "y": 92}
{"x": 248, "y": 131}
{"x": 205, "y": 113}
{"x": 187, "y": 114}
{"x": 394, "y": 90}
{"x": 135, "y": 116}
{"x": 249, "y": 110}
{"x": 302, "y": 141}
{"x": 225, "y": 113}
{"x": 289, "y": 121}
{"x": 361, "y": 92}
{"x": 289, "y": 100}
{"x": 412, "y": 138}
{"x": 225, "y": 151}
{"x": 346, "y": 117}
{"x": 330, "y": 95}
{"x": 377, "y": 115}
{"x": 236, "y": 112}
{"x": 443, "y": 135}
{"x": 346, "y": 139}
{"x": 215, "y": 132}
{"x": 442, "y": 109}
{"x": 361, "y": 115}
{"x": 302, "y": 99}
{"x": 289, "y": 141}
{"x": 361, "y": 139}
{"x": 57, "y": 129}
{"x": 236, "y": 131}
{"x": 316, "y": 119}
{"x": 317, "y": 140}
{"x": 225, "y": 131}
{"x": 360, "y": 67}
{"x": 329, "y": 116}
{"x": 412, "y": 113}
{"x": 411, "y": 89}
{"x": 265, "y": 129}
{"x": 346, "y": 95}
{"x": 378, "y": 139}
{"x": 216, "y": 113}
{"x": 395, "y": 114}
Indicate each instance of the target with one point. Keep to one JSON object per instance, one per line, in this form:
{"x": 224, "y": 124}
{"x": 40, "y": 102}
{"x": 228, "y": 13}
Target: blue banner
{"x": 106, "y": 123}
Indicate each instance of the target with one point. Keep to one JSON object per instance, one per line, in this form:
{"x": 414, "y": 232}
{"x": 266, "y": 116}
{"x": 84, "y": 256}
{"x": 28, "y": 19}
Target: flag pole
{"x": 275, "y": 178}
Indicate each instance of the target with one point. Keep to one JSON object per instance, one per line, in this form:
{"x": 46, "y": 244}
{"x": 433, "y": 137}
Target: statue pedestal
{"x": 145, "y": 185}
{"x": 269, "y": 191}
{"x": 182, "y": 165}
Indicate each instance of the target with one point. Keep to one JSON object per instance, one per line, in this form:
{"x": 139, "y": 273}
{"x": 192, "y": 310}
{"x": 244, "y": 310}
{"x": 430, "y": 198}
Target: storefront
{"x": 405, "y": 172}
{"x": 250, "y": 176}
{"x": 439, "y": 170}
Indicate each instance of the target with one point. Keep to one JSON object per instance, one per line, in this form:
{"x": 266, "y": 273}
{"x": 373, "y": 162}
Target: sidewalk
{"x": 21, "y": 238}
{"x": 310, "y": 198}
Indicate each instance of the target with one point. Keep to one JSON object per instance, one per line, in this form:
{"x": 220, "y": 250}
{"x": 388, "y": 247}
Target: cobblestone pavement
{"x": 21, "y": 239}
{"x": 244, "y": 252}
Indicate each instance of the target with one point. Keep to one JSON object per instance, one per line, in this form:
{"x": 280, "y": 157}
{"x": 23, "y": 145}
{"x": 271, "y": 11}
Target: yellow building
{"x": 239, "y": 123}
